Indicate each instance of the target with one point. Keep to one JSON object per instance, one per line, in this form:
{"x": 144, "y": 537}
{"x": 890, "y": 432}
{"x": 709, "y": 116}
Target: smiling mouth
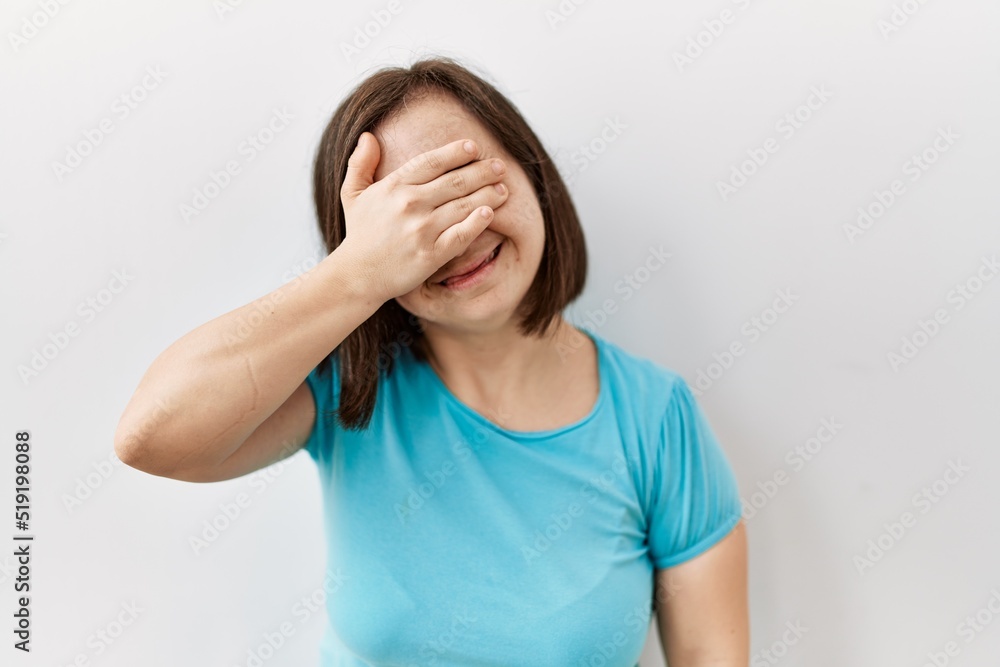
{"x": 490, "y": 258}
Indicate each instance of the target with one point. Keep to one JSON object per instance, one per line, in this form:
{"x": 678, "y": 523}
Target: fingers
{"x": 456, "y": 238}
{"x": 464, "y": 181}
{"x": 456, "y": 210}
{"x": 426, "y": 167}
{"x": 361, "y": 166}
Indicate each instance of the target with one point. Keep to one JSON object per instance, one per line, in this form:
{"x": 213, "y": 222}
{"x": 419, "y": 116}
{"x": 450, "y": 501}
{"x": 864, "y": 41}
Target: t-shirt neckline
{"x": 602, "y": 376}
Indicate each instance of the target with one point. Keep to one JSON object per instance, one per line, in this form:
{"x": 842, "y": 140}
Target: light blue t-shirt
{"x": 452, "y": 541}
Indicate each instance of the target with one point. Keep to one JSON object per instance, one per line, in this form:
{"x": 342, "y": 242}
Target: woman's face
{"x": 430, "y": 122}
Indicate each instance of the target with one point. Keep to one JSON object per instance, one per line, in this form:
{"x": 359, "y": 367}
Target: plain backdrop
{"x": 823, "y": 175}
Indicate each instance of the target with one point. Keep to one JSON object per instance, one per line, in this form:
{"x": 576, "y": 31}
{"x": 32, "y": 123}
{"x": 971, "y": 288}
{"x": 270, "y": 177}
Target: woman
{"x": 500, "y": 488}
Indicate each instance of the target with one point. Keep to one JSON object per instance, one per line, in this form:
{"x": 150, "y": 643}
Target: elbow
{"x": 137, "y": 453}
{"x": 137, "y": 450}
{"x": 130, "y": 449}
{"x": 137, "y": 440}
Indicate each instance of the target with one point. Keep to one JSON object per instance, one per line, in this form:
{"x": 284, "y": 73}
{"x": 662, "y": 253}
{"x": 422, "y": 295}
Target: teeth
{"x": 496, "y": 251}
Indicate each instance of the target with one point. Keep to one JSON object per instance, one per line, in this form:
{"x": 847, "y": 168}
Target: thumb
{"x": 361, "y": 165}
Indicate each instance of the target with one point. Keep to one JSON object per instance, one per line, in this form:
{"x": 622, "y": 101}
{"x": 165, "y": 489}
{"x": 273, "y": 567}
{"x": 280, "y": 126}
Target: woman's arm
{"x": 207, "y": 393}
{"x": 702, "y": 607}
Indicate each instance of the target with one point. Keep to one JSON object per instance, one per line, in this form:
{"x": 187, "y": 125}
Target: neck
{"x": 493, "y": 367}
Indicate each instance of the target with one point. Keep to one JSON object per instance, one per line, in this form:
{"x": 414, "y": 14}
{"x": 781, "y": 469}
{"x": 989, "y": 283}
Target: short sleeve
{"x": 324, "y": 381}
{"x": 695, "y": 499}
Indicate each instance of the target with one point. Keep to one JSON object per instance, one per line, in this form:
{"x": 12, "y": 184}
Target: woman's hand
{"x": 416, "y": 219}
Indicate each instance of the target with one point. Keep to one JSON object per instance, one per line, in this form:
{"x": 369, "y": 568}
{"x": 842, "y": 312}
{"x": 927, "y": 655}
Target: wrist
{"x": 351, "y": 278}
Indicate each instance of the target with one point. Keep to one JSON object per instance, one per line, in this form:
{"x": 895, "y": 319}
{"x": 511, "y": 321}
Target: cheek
{"x": 416, "y": 302}
{"x": 527, "y": 231}
{"x": 520, "y": 217}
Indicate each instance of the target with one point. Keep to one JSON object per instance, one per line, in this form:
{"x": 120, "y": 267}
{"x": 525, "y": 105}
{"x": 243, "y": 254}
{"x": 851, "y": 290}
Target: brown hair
{"x": 373, "y": 346}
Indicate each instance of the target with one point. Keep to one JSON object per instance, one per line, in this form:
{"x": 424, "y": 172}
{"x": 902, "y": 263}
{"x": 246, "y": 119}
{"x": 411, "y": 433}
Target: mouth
{"x": 474, "y": 275}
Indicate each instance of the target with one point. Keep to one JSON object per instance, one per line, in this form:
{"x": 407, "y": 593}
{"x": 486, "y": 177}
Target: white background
{"x": 682, "y": 130}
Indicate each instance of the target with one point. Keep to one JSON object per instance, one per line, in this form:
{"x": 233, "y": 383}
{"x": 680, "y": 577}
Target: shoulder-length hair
{"x": 372, "y": 348}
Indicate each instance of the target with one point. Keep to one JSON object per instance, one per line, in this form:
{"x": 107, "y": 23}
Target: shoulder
{"x": 328, "y": 369}
{"x": 647, "y": 384}
{"x": 662, "y": 428}
{"x": 324, "y": 381}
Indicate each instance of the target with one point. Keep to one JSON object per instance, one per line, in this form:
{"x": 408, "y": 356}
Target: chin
{"x": 474, "y": 314}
